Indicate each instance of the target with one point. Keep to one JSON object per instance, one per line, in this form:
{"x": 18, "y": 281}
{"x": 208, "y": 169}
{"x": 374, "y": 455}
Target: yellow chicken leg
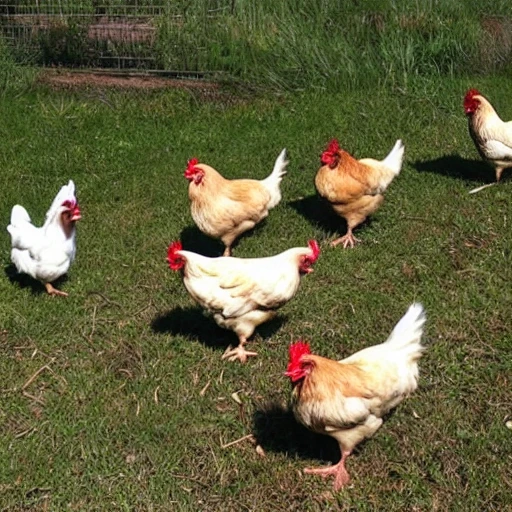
{"x": 348, "y": 240}
{"x": 239, "y": 352}
{"x": 341, "y": 476}
{"x": 53, "y": 291}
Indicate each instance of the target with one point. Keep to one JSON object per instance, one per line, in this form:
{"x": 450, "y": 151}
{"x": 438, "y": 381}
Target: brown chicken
{"x": 347, "y": 399}
{"x": 491, "y": 135}
{"x": 225, "y": 209}
{"x": 355, "y": 188}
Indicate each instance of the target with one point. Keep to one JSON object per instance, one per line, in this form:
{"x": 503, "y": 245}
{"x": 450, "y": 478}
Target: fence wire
{"x": 94, "y": 33}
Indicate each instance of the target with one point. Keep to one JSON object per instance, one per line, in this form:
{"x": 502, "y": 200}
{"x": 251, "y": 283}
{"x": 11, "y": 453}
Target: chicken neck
{"x": 341, "y": 476}
{"x": 239, "y": 352}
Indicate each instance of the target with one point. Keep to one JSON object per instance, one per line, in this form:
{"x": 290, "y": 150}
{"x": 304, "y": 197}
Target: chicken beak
{"x": 76, "y": 214}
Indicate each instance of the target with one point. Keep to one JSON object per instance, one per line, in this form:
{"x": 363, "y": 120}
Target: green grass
{"x": 291, "y": 44}
{"x": 133, "y": 404}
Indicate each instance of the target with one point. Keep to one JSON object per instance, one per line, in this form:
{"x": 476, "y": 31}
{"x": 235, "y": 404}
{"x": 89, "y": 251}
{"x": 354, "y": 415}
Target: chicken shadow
{"x": 25, "y": 281}
{"x": 276, "y": 430}
{"x": 319, "y": 213}
{"x": 196, "y": 241}
{"x": 457, "y": 167}
{"x": 193, "y": 324}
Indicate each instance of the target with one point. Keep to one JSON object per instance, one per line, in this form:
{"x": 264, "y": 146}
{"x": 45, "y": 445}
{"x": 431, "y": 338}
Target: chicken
{"x": 243, "y": 293}
{"x": 491, "y": 135}
{"x": 355, "y": 188}
{"x": 224, "y": 208}
{"x": 46, "y": 252}
{"x": 347, "y": 399}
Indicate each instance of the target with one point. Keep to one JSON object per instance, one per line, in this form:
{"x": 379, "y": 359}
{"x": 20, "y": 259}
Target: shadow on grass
{"x": 196, "y": 241}
{"x": 25, "y": 281}
{"x": 195, "y": 325}
{"x": 319, "y": 213}
{"x": 457, "y": 167}
{"x": 276, "y": 430}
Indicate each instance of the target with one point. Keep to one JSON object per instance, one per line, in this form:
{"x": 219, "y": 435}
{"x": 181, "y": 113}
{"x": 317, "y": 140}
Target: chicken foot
{"x": 499, "y": 170}
{"x": 53, "y": 291}
{"x": 348, "y": 240}
{"x": 239, "y": 352}
{"x": 341, "y": 476}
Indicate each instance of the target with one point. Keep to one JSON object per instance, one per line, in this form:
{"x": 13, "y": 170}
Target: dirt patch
{"x": 81, "y": 79}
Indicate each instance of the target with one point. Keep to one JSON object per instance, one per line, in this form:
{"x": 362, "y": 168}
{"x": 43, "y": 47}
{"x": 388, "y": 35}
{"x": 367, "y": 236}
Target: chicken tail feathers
{"x": 273, "y": 181}
{"x": 395, "y": 157}
{"x": 19, "y": 215}
{"x": 20, "y": 228}
{"x": 408, "y": 331}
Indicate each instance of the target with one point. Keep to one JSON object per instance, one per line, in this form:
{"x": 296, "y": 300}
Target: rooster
{"x": 347, "y": 399}
{"x": 46, "y": 253}
{"x": 355, "y": 188}
{"x": 225, "y": 209}
{"x": 491, "y": 135}
{"x": 242, "y": 293}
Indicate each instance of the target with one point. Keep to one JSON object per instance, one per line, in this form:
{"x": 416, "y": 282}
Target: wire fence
{"x": 98, "y": 33}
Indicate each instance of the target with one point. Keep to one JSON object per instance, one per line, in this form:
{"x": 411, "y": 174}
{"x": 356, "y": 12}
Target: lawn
{"x": 116, "y": 397}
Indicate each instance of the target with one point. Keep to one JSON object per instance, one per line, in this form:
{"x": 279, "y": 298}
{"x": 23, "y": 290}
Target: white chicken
{"x": 46, "y": 252}
{"x": 242, "y": 293}
{"x": 347, "y": 399}
{"x": 492, "y": 136}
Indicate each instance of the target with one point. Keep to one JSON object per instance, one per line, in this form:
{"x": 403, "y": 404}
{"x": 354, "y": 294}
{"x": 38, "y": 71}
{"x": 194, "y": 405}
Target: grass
{"x": 292, "y": 44}
{"x": 117, "y": 399}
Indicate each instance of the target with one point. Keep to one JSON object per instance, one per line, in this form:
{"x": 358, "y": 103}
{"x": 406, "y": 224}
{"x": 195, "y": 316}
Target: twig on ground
{"x": 232, "y": 443}
{"x": 36, "y": 374}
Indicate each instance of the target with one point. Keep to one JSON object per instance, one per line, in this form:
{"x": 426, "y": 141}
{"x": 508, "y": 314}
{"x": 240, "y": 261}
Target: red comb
{"x": 297, "y": 350}
{"x": 333, "y": 146}
{"x": 330, "y": 156}
{"x": 471, "y": 93}
{"x": 192, "y": 163}
{"x": 68, "y": 203}
{"x": 175, "y": 260}
{"x": 315, "y": 248}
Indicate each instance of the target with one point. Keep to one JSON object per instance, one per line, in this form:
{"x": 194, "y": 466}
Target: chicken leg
{"x": 239, "y": 352}
{"x": 341, "y": 476}
{"x": 348, "y": 240}
{"x": 53, "y": 291}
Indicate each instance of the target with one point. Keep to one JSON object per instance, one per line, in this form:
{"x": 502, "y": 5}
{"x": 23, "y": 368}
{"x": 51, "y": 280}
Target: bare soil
{"x": 67, "y": 79}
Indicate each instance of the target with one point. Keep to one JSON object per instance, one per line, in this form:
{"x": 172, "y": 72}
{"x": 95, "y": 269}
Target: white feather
{"x": 273, "y": 181}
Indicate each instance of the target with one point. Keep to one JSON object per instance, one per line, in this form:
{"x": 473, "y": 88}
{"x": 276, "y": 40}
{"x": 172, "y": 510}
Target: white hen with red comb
{"x": 243, "y": 293}
{"x": 46, "y": 252}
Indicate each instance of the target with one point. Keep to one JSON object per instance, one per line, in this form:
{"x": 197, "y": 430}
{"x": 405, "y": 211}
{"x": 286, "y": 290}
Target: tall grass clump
{"x": 298, "y": 44}
{"x": 13, "y": 75}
